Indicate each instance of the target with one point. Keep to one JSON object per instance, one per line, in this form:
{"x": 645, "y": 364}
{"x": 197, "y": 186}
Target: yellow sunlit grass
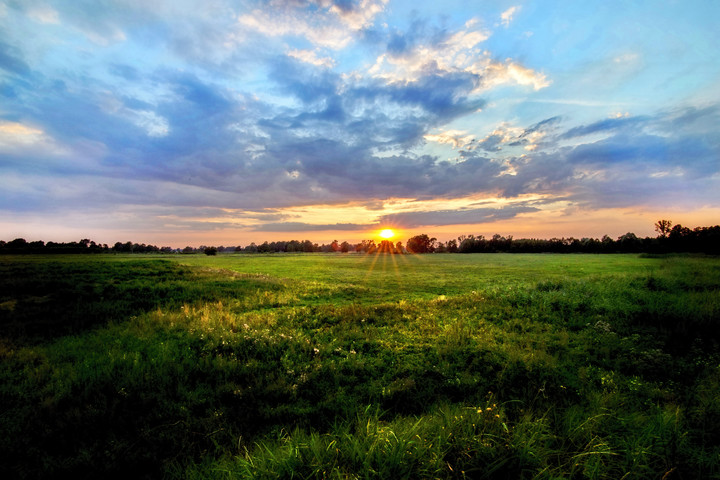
{"x": 387, "y": 234}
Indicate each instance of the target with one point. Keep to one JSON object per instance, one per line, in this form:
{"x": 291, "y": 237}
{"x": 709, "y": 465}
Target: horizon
{"x": 391, "y": 235}
{"x": 182, "y": 123}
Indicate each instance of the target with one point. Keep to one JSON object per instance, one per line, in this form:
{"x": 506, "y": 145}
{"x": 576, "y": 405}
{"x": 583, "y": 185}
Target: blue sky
{"x": 225, "y": 122}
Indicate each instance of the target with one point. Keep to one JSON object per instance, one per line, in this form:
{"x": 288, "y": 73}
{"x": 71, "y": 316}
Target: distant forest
{"x": 670, "y": 239}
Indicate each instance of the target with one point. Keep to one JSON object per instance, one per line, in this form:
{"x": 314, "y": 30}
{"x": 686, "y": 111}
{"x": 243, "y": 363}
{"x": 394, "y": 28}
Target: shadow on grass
{"x": 45, "y": 300}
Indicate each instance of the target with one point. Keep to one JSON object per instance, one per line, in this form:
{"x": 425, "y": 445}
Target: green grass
{"x": 353, "y": 366}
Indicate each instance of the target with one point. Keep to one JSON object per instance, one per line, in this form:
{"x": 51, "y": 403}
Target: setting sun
{"x": 387, "y": 234}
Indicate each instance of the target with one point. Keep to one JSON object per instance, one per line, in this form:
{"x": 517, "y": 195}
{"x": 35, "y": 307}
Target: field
{"x": 360, "y": 366}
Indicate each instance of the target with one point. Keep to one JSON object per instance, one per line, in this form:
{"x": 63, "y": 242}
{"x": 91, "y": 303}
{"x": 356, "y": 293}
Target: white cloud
{"x": 44, "y": 14}
{"x": 329, "y": 26}
{"x": 16, "y": 138}
{"x": 507, "y": 16}
{"x": 17, "y": 133}
{"x": 456, "y": 138}
{"x": 361, "y": 17}
{"x": 454, "y": 54}
{"x": 509, "y": 72}
{"x": 153, "y": 124}
{"x": 627, "y": 58}
{"x": 309, "y": 56}
{"x": 459, "y": 53}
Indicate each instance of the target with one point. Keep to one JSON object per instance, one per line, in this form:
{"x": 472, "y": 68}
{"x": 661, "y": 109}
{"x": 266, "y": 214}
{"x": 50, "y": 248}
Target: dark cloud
{"x": 398, "y": 45}
{"x": 537, "y": 173}
{"x": 542, "y": 125}
{"x": 454, "y": 217}
{"x": 207, "y": 98}
{"x": 308, "y": 227}
{"x": 444, "y": 96}
{"x": 401, "y": 43}
{"x": 606, "y": 125}
{"x": 126, "y": 72}
{"x": 492, "y": 143}
{"x": 306, "y": 82}
{"x": 11, "y": 60}
{"x": 630, "y": 166}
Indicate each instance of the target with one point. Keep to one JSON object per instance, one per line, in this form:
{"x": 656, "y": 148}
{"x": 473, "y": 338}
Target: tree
{"x": 210, "y": 251}
{"x": 17, "y": 243}
{"x": 386, "y": 246}
{"x": 367, "y": 246}
{"x": 663, "y": 227}
{"x": 308, "y": 246}
{"x": 421, "y": 244}
{"x": 629, "y": 242}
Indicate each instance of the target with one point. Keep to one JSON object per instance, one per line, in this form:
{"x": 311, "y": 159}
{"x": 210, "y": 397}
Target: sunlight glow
{"x": 387, "y": 234}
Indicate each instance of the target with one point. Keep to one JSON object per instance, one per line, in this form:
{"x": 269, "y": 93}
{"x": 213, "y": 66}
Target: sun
{"x": 387, "y": 234}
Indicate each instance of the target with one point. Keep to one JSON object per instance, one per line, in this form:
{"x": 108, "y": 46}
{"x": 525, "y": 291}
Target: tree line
{"x": 20, "y": 245}
{"x": 670, "y": 239}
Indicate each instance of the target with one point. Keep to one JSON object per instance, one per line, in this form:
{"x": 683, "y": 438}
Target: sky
{"x": 219, "y": 122}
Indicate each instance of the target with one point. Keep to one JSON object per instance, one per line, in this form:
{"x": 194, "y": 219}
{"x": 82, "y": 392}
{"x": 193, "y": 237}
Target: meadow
{"x": 360, "y": 366}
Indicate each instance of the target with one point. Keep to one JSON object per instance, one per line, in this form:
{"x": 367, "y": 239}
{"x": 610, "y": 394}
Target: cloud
{"x": 499, "y": 73}
{"x": 127, "y": 72}
{"x": 28, "y": 149}
{"x": 455, "y": 138}
{"x": 13, "y": 133}
{"x": 308, "y": 227}
{"x": 410, "y": 59}
{"x": 44, "y": 14}
{"x": 645, "y": 160}
{"x": 11, "y": 60}
{"x": 455, "y": 217}
{"x": 102, "y": 24}
{"x": 305, "y": 82}
{"x": 311, "y": 57}
{"x": 503, "y": 136}
{"x": 507, "y": 16}
{"x": 357, "y": 15}
{"x": 329, "y": 24}
{"x": 606, "y": 125}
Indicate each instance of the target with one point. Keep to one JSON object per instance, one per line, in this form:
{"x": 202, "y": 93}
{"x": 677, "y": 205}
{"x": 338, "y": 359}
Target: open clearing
{"x": 360, "y": 366}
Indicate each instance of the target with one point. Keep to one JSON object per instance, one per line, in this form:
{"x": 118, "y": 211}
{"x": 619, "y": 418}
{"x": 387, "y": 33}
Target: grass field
{"x": 355, "y": 366}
